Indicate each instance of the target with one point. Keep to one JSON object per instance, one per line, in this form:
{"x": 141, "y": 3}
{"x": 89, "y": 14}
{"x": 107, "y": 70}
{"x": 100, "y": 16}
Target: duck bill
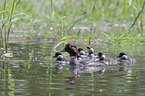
{"x": 63, "y": 50}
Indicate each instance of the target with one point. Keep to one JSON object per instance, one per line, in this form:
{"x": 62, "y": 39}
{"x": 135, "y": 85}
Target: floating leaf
{"x": 8, "y": 55}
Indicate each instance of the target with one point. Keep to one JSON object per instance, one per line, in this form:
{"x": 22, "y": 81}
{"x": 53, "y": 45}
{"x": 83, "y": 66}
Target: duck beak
{"x": 63, "y": 50}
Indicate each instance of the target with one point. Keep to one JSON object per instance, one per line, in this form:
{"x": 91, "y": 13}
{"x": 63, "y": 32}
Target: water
{"x": 31, "y": 72}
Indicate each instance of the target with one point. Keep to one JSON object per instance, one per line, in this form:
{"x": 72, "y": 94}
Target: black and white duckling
{"x": 59, "y": 62}
{"x": 90, "y": 51}
{"x": 59, "y": 58}
{"x": 124, "y": 58}
{"x": 106, "y": 60}
{"x": 81, "y": 51}
{"x": 81, "y": 54}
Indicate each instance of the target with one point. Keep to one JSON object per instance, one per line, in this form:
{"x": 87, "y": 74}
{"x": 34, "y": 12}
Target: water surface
{"x": 32, "y": 72}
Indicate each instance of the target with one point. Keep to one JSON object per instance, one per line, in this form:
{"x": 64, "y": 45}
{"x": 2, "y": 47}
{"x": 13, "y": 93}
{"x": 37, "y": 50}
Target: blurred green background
{"x": 107, "y": 20}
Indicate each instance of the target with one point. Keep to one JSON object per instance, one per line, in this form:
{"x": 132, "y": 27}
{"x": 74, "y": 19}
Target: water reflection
{"x": 122, "y": 66}
{"x": 32, "y": 72}
{"x": 6, "y": 80}
{"x": 58, "y": 67}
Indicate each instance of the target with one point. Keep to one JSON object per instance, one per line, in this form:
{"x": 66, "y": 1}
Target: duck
{"x": 90, "y": 51}
{"x": 81, "y": 54}
{"x": 73, "y": 52}
{"x": 59, "y": 58}
{"x": 106, "y": 60}
{"x": 81, "y": 51}
{"x": 124, "y": 58}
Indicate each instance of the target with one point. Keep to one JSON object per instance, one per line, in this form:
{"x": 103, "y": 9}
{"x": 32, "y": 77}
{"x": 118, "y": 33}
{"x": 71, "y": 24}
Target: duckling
{"x": 58, "y": 55}
{"x": 81, "y": 54}
{"x": 106, "y": 60}
{"x": 73, "y": 51}
{"x": 58, "y": 62}
{"x": 81, "y": 51}
{"x": 123, "y": 58}
{"x": 59, "y": 58}
{"x": 90, "y": 51}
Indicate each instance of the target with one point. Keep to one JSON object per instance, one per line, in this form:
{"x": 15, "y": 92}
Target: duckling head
{"x": 90, "y": 49}
{"x": 58, "y": 55}
{"x": 101, "y": 55}
{"x": 81, "y": 51}
{"x": 122, "y": 56}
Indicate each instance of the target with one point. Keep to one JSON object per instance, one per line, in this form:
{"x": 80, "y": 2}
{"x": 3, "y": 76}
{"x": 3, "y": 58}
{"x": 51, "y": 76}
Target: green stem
{"x": 11, "y": 16}
{"x": 92, "y": 22}
{"x": 3, "y": 22}
{"x": 137, "y": 16}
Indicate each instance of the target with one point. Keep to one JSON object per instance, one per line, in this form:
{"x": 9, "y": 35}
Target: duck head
{"x": 71, "y": 49}
{"x": 90, "y": 49}
{"x": 58, "y": 55}
{"x": 81, "y": 51}
{"x": 101, "y": 55}
{"x": 122, "y": 56}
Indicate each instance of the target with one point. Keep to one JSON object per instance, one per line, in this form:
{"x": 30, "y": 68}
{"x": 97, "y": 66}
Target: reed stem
{"x": 137, "y": 16}
{"x": 92, "y": 22}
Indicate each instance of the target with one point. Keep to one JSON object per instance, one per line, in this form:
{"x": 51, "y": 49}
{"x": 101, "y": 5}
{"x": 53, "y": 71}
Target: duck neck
{"x": 59, "y": 57}
{"x": 73, "y": 60}
{"x": 124, "y": 57}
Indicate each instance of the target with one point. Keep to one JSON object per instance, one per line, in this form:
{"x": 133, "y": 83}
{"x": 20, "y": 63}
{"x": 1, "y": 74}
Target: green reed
{"x": 63, "y": 15}
{"x": 7, "y": 24}
{"x": 92, "y": 22}
{"x": 3, "y": 23}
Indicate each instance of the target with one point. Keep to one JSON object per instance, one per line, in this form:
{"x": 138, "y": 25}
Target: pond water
{"x": 31, "y": 72}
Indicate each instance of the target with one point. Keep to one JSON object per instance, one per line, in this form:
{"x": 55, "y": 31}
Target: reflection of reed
{"x": 3, "y": 76}
{"x": 7, "y": 80}
{"x": 1, "y": 66}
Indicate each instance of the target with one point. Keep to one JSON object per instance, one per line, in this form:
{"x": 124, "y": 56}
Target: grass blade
{"x": 92, "y": 22}
{"x": 11, "y": 16}
{"x": 137, "y": 16}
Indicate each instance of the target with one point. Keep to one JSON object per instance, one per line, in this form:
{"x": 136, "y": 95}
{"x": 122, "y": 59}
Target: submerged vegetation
{"x": 100, "y": 21}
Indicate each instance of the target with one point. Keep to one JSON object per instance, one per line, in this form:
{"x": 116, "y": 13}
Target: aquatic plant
{"x": 127, "y": 36}
{"x": 90, "y": 20}
{"x": 7, "y": 22}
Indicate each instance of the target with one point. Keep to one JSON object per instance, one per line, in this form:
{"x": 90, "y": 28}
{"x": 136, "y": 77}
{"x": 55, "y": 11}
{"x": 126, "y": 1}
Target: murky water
{"x": 31, "y": 72}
